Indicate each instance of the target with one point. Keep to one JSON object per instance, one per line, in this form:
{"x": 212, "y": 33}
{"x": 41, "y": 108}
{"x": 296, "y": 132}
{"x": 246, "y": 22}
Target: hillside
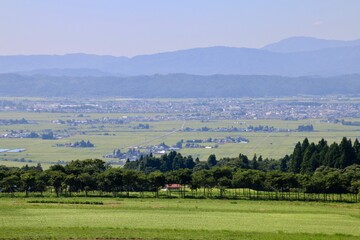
{"x": 298, "y": 56}
{"x": 307, "y": 44}
{"x": 176, "y": 85}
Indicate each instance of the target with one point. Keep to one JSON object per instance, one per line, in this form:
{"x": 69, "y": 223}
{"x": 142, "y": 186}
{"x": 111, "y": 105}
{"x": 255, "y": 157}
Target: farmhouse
{"x": 172, "y": 187}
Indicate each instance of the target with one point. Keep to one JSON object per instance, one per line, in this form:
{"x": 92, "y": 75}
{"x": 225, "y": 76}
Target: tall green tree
{"x": 156, "y": 180}
{"x": 71, "y": 183}
{"x": 357, "y": 151}
{"x": 296, "y": 159}
{"x": 310, "y": 160}
{"x": 56, "y": 181}
{"x": 223, "y": 178}
{"x": 41, "y": 182}
{"x": 333, "y": 155}
{"x": 10, "y": 183}
{"x": 212, "y": 160}
{"x": 284, "y": 163}
{"x": 87, "y": 182}
{"x": 28, "y": 181}
{"x": 347, "y": 154}
{"x": 130, "y": 181}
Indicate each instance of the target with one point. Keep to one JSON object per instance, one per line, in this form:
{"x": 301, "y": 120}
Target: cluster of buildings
{"x": 196, "y": 109}
{"x": 238, "y": 129}
{"x": 87, "y": 121}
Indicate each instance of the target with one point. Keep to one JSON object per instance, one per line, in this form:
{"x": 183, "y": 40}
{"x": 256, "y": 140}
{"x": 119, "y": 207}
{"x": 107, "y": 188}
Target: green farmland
{"x": 107, "y": 137}
{"x": 177, "y": 219}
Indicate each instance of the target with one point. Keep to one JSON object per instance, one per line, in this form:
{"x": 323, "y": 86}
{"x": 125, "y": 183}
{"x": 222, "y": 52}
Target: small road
{"x": 159, "y": 137}
{"x": 252, "y": 150}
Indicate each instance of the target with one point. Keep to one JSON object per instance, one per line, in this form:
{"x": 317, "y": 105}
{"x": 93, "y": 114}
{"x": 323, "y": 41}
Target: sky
{"x": 136, "y": 27}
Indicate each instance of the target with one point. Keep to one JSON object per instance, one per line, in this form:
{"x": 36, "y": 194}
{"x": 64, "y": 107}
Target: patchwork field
{"x": 177, "y": 219}
{"x": 107, "y": 137}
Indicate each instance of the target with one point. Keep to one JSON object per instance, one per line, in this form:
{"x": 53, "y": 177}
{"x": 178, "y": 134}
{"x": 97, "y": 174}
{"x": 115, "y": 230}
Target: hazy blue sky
{"x": 132, "y": 27}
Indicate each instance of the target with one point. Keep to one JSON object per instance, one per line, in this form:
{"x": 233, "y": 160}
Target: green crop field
{"x": 108, "y": 137}
{"x": 117, "y": 218}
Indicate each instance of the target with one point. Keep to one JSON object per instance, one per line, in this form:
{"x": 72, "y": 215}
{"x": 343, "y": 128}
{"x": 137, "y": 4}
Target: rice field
{"x": 23, "y": 218}
{"x": 121, "y": 136}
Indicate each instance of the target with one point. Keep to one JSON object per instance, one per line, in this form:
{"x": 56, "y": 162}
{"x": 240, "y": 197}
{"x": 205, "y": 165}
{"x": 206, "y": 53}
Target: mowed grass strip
{"x": 166, "y": 234}
{"x": 179, "y": 219}
{"x": 65, "y": 202}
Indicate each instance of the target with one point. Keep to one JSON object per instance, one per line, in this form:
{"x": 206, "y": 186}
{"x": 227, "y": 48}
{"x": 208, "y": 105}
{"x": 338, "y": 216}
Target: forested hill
{"x": 176, "y": 85}
{"x": 336, "y": 60}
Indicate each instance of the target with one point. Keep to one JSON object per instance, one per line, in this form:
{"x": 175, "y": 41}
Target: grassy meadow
{"x": 108, "y": 137}
{"x": 118, "y": 218}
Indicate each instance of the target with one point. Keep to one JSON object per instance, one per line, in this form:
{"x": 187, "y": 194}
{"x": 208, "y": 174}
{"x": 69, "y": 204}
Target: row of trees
{"x": 97, "y": 176}
{"x": 175, "y": 161}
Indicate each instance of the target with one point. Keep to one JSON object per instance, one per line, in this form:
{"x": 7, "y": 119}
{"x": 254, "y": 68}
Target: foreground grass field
{"x": 20, "y": 218}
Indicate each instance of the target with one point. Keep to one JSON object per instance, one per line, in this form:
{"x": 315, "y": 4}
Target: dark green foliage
{"x": 56, "y": 179}
{"x": 357, "y": 151}
{"x": 307, "y": 157}
{"x": 281, "y": 182}
{"x": 254, "y": 163}
{"x": 86, "y": 166}
{"x": 348, "y": 154}
{"x": 305, "y": 128}
{"x": 332, "y": 155}
{"x": 296, "y": 159}
{"x": 212, "y": 160}
{"x": 310, "y": 160}
{"x": 167, "y": 162}
{"x": 133, "y": 181}
{"x": 284, "y": 163}
{"x": 10, "y": 183}
{"x": 156, "y": 180}
{"x": 28, "y": 181}
{"x": 241, "y": 162}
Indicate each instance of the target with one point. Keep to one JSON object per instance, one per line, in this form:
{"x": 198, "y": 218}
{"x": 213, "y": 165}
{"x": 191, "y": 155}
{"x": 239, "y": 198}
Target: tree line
{"x": 305, "y": 159}
{"x": 257, "y": 177}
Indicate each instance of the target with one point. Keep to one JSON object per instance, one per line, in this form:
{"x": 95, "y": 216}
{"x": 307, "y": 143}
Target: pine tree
{"x": 332, "y": 156}
{"x": 348, "y": 155}
{"x": 307, "y": 163}
{"x": 254, "y": 163}
{"x": 304, "y": 146}
{"x": 212, "y": 160}
{"x": 284, "y": 163}
{"x": 296, "y": 159}
{"x": 357, "y": 151}
{"x": 322, "y": 154}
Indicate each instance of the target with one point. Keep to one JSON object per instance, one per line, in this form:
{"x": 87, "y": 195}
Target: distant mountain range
{"x": 307, "y": 44}
{"x": 294, "y": 66}
{"x": 176, "y": 86}
{"x": 298, "y": 56}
